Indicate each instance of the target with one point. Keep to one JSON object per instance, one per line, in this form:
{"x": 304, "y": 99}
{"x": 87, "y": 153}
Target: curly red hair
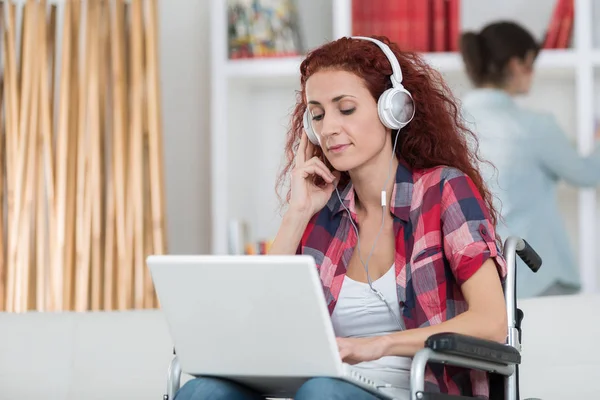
{"x": 437, "y": 134}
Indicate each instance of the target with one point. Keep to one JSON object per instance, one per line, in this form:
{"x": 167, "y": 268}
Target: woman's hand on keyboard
{"x": 356, "y": 350}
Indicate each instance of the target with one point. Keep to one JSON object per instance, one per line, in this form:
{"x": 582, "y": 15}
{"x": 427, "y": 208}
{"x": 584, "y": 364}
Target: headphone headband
{"x": 396, "y": 77}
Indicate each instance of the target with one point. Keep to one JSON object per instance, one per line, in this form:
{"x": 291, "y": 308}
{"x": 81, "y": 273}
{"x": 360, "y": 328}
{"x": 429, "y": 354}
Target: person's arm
{"x": 558, "y": 155}
{"x": 306, "y": 198}
{"x": 485, "y": 318}
{"x": 290, "y": 233}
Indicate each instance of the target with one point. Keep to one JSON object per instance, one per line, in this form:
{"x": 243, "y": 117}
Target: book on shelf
{"x": 560, "y": 26}
{"x": 435, "y": 25}
{"x": 263, "y": 28}
{"x": 423, "y": 26}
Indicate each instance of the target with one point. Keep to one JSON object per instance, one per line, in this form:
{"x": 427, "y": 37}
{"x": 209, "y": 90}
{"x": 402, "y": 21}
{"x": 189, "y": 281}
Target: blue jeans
{"x": 314, "y": 389}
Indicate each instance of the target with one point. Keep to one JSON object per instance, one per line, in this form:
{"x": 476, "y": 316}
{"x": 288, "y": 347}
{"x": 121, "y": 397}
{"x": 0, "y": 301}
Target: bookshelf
{"x": 549, "y": 62}
{"x": 251, "y": 100}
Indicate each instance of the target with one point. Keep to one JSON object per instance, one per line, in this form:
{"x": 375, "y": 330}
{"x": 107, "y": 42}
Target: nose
{"x": 330, "y": 125}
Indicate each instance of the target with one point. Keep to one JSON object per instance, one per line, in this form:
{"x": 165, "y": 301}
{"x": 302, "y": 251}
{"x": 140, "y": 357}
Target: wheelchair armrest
{"x": 461, "y": 351}
{"x": 473, "y": 348}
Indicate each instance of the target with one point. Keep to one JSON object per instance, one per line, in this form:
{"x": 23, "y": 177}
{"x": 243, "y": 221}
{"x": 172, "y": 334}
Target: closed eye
{"x": 345, "y": 112}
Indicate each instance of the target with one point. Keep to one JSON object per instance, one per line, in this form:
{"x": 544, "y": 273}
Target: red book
{"x": 403, "y": 23}
{"x": 554, "y": 25}
{"x": 453, "y": 24}
{"x": 378, "y": 17}
{"x": 357, "y": 17}
{"x": 438, "y": 17}
{"x": 392, "y": 25}
{"x": 419, "y": 27}
{"x": 368, "y": 9}
{"x": 566, "y": 26}
{"x": 385, "y": 9}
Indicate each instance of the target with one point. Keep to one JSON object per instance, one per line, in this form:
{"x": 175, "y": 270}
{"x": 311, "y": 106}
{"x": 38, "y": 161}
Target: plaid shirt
{"x": 443, "y": 236}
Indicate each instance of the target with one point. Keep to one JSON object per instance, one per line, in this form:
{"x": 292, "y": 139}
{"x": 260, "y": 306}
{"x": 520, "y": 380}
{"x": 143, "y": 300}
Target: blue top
{"x": 530, "y": 154}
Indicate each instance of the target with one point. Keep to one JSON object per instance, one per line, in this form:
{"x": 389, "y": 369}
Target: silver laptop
{"x": 261, "y": 321}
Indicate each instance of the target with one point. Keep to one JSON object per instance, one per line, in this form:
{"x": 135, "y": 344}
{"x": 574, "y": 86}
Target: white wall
{"x": 185, "y": 85}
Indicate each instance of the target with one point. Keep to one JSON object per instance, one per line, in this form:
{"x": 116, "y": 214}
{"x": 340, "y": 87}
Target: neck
{"x": 368, "y": 182}
{"x": 511, "y": 91}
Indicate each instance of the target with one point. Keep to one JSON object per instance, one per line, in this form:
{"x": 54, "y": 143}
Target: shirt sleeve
{"x": 559, "y": 156}
{"x": 468, "y": 233}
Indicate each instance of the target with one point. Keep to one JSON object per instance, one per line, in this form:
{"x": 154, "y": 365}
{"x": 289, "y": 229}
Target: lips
{"x": 338, "y": 148}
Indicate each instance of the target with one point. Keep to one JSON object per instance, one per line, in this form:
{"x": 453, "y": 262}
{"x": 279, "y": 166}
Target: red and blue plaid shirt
{"x": 443, "y": 236}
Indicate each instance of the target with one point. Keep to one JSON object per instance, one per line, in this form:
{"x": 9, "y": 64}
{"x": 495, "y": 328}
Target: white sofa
{"x": 125, "y": 355}
{"x": 561, "y": 358}
{"x": 84, "y": 356}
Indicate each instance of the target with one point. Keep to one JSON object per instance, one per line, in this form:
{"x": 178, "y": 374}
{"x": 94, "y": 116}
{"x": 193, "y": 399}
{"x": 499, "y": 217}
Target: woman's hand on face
{"x": 306, "y": 197}
{"x": 356, "y": 350}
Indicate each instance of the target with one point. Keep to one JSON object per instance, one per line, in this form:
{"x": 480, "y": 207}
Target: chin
{"x": 344, "y": 165}
{"x": 348, "y": 161}
{"x": 341, "y": 167}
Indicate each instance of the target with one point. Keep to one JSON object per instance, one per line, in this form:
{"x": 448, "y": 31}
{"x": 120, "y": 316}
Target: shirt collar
{"x": 487, "y": 96}
{"x": 401, "y": 195}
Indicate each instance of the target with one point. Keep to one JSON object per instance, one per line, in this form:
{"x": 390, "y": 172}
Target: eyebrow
{"x": 334, "y": 100}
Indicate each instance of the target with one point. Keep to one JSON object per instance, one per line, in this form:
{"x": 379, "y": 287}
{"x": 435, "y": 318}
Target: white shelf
{"x": 554, "y": 59}
{"x": 548, "y": 60}
{"x": 288, "y": 67}
{"x": 264, "y": 67}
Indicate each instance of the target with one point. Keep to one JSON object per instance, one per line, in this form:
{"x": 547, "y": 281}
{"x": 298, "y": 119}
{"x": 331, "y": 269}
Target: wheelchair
{"x": 500, "y": 360}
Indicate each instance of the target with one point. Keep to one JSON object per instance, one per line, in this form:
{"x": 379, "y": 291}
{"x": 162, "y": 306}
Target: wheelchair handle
{"x": 514, "y": 246}
{"x": 529, "y": 255}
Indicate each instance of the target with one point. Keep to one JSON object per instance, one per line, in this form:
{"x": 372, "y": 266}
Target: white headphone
{"x": 395, "y": 106}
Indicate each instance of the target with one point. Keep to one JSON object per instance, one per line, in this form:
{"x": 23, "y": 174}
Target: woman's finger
{"x": 328, "y": 176}
{"x": 344, "y": 353}
{"x": 317, "y": 161}
{"x": 309, "y": 150}
{"x": 315, "y": 169}
{"x": 301, "y": 154}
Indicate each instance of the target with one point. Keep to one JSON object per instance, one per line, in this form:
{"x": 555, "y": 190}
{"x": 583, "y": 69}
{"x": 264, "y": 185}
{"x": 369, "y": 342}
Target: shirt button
{"x": 482, "y": 230}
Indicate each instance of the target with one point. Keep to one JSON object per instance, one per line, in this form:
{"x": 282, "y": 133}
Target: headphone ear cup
{"x": 396, "y": 108}
{"x": 308, "y": 128}
{"x": 384, "y": 110}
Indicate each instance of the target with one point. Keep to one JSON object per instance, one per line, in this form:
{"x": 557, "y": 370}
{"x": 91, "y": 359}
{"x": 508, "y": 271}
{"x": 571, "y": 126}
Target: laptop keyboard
{"x": 361, "y": 378}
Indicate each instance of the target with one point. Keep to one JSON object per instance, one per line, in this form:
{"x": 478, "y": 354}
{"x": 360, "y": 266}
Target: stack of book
{"x": 423, "y": 25}
{"x": 240, "y": 243}
{"x": 263, "y": 28}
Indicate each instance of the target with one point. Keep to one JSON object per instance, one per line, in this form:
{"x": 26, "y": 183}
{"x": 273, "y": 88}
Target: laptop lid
{"x": 246, "y": 315}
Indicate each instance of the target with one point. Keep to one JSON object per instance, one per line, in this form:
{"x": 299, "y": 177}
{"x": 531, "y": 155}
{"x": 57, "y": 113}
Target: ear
{"x": 514, "y": 65}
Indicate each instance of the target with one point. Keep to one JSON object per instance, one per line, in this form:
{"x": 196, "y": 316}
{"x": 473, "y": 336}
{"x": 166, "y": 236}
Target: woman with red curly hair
{"x": 386, "y": 196}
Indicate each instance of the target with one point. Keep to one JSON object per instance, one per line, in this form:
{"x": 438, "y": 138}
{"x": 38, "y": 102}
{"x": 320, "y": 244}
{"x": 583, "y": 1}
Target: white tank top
{"x": 359, "y": 312}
